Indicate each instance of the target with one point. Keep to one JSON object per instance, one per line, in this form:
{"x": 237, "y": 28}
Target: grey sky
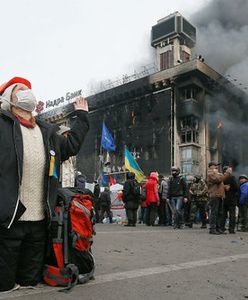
{"x": 65, "y": 45}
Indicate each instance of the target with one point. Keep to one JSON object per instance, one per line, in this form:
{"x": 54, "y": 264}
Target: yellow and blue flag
{"x": 132, "y": 166}
{"x": 108, "y": 142}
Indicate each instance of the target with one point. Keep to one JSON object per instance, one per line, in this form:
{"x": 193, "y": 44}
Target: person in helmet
{"x": 177, "y": 195}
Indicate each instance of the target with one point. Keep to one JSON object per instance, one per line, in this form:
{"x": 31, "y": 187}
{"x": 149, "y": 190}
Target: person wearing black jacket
{"x": 131, "y": 198}
{"x": 105, "y": 204}
{"x": 230, "y": 202}
{"x": 30, "y": 156}
{"x": 177, "y": 196}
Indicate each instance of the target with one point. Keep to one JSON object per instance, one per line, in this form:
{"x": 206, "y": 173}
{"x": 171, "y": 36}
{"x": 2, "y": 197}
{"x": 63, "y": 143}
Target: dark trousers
{"x": 229, "y": 209}
{"x": 142, "y": 215}
{"x": 194, "y": 207}
{"x": 162, "y": 212}
{"x": 244, "y": 216}
{"x": 22, "y": 252}
{"x": 108, "y": 212}
{"x": 131, "y": 216}
{"x": 151, "y": 214}
{"x": 215, "y": 205}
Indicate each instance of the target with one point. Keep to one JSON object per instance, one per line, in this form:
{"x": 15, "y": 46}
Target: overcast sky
{"x": 66, "y": 45}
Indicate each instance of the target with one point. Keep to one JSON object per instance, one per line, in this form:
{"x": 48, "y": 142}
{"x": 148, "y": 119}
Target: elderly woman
{"x": 30, "y": 155}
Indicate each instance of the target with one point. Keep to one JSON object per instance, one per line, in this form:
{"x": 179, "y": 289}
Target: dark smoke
{"x": 222, "y": 39}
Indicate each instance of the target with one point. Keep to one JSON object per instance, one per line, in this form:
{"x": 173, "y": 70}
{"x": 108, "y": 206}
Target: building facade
{"x": 186, "y": 114}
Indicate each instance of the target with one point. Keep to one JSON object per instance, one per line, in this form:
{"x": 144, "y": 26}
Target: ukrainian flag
{"x": 132, "y": 166}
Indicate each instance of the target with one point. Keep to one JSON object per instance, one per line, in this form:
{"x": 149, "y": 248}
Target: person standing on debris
{"x": 229, "y": 202}
{"x": 177, "y": 195}
{"x": 152, "y": 198}
{"x": 216, "y": 193}
{"x": 198, "y": 192}
{"x": 30, "y": 156}
{"x": 67, "y": 174}
{"x": 163, "y": 193}
{"x": 243, "y": 202}
{"x": 105, "y": 205}
{"x": 131, "y": 198}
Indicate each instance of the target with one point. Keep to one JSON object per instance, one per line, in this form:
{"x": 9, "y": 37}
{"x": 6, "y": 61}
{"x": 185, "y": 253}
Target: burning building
{"x": 182, "y": 114}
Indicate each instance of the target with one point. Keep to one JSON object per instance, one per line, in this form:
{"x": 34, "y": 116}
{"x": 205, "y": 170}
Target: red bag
{"x": 71, "y": 261}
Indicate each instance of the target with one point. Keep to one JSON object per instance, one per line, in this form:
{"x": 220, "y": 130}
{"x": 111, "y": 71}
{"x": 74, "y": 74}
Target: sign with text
{"x": 68, "y": 96}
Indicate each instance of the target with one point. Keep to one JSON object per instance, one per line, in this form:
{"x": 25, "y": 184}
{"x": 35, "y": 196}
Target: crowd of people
{"x": 219, "y": 202}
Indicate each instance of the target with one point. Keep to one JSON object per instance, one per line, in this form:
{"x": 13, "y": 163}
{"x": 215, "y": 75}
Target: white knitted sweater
{"x": 32, "y": 188}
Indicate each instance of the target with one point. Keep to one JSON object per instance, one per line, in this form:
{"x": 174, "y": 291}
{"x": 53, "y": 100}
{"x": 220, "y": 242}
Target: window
{"x": 190, "y": 160}
{"x": 189, "y": 129}
{"x": 188, "y": 93}
{"x": 166, "y": 60}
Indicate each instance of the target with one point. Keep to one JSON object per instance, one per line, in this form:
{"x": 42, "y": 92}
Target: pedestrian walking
{"x": 31, "y": 153}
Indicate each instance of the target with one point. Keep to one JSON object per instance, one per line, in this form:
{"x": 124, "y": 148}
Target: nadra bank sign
{"x": 68, "y": 96}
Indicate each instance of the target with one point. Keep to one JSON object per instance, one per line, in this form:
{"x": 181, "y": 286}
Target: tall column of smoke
{"x": 222, "y": 39}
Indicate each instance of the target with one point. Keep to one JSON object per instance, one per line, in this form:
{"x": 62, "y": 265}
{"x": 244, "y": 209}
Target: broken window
{"x": 189, "y": 130}
{"x": 188, "y": 93}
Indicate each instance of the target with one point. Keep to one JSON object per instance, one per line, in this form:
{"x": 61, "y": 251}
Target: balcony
{"x": 189, "y": 107}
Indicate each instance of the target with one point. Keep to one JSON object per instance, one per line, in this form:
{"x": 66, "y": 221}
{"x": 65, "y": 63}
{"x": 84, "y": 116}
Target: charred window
{"x": 188, "y": 93}
{"x": 189, "y": 130}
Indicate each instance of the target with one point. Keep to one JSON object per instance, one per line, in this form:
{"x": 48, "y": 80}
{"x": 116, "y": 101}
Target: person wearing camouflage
{"x": 199, "y": 197}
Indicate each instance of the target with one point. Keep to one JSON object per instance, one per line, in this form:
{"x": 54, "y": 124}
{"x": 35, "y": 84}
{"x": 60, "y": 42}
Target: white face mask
{"x": 26, "y": 100}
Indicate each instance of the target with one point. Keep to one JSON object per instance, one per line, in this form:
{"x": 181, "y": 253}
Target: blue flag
{"x": 104, "y": 180}
{"x": 108, "y": 142}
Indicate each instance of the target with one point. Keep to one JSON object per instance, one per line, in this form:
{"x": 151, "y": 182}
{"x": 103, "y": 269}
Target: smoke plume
{"x": 222, "y": 38}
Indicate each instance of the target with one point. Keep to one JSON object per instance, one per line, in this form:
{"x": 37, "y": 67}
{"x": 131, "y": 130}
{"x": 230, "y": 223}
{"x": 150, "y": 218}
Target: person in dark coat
{"x": 229, "y": 202}
{"x": 96, "y": 195}
{"x": 131, "y": 198}
{"x": 31, "y": 153}
{"x": 177, "y": 196}
{"x": 105, "y": 204}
